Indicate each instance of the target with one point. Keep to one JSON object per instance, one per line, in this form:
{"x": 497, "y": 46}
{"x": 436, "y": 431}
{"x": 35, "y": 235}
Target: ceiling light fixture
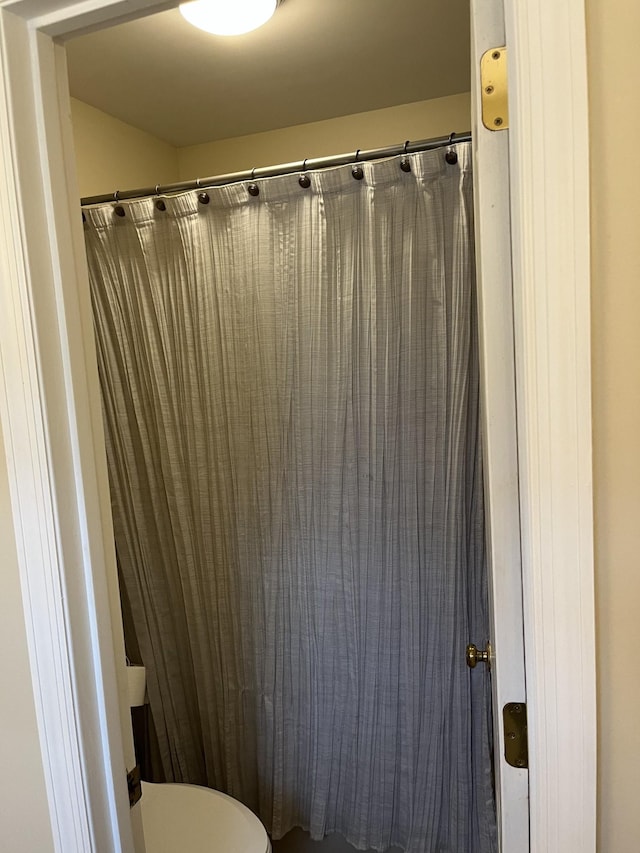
{"x": 228, "y": 17}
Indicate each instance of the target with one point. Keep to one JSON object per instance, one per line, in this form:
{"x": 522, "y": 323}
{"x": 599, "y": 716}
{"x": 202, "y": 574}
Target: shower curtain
{"x": 290, "y": 389}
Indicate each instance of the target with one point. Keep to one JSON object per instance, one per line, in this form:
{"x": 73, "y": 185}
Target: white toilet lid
{"x": 191, "y": 819}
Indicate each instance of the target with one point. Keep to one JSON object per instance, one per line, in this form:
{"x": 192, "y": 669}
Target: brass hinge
{"x": 135, "y": 786}
{"x": 495, "y": 95}
{"x": 516, "y": 745}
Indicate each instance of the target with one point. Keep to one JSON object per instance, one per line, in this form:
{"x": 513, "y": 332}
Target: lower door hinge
{"x": 495, "y": 93}
{"x": 516, "y": 746}
{"x": 135, "y": 786}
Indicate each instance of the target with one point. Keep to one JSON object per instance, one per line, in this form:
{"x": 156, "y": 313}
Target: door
{"x": 497, "y": 371}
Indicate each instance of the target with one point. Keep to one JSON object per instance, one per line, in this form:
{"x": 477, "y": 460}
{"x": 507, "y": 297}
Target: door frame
{"x": 51, "y": 421}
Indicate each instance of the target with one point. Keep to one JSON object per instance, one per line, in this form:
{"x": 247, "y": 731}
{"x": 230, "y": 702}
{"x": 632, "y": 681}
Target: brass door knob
{"x": 476, "y": 656}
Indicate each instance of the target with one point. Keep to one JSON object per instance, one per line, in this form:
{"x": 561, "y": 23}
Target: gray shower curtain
{"x": 290, "y": 387}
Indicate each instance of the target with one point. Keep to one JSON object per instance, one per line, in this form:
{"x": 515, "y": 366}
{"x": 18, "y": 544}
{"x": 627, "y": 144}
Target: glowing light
{"x": 228, "y": 17}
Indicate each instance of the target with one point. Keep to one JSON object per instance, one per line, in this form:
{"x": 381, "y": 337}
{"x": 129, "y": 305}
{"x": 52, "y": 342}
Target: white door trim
{"x": 56, "y": 459}
{"x": 549, "y": 160}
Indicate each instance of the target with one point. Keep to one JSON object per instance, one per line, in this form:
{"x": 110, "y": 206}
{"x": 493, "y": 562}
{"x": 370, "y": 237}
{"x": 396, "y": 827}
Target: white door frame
{"x": 50, "y": 418}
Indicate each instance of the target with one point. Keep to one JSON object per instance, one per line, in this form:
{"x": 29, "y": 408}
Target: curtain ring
{"x": 160, "y": 205}
{"x": 451, "y": 156}
{"x": 304, "y": 180}
{"x": 253, "y": 188}
{"x": 405, "y": 163}
{"x": 118, "y": 209}
{"x": 203, "y": 197}
{"x": 357, "y": 171}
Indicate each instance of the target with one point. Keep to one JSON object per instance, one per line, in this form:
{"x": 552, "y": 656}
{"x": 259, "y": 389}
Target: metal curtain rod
{"x": 285, "y": 169}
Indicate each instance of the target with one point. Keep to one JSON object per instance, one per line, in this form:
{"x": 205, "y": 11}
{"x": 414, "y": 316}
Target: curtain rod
{"x": 284, "y": 169}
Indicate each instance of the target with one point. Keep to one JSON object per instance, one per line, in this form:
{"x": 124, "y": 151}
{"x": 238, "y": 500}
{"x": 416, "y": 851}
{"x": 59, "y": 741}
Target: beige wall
{"x": 375, "y": 129}
{"x": 24, "y": 812}
{"x": 112, "y": 155}
{"x": 614, "y": 80}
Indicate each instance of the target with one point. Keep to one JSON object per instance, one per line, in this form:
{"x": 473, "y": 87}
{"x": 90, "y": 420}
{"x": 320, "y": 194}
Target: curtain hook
{"x": 253, "y": 188}
{"x": 203, "y": 198}
{"x": 357, "y": 171}
{"x": 304, "y": 180}
{"x": 405, "y": 163}
{"x": 160, "y": 205}
{"x": 118, "y": 209}
{"x": 451, "y": 156}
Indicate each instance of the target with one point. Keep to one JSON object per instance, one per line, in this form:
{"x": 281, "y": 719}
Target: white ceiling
{"x": 315, "y": 59}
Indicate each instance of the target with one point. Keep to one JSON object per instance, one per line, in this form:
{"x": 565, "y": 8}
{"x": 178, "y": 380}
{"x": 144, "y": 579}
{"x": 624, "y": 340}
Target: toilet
{"x": 191, "y": 819}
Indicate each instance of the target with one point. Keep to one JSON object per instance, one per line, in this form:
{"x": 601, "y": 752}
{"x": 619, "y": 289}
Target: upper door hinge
{"x": 493, "y": 79}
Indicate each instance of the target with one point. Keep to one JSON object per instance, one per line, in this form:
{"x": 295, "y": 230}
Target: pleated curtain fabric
{"x": 290, "y": 387}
